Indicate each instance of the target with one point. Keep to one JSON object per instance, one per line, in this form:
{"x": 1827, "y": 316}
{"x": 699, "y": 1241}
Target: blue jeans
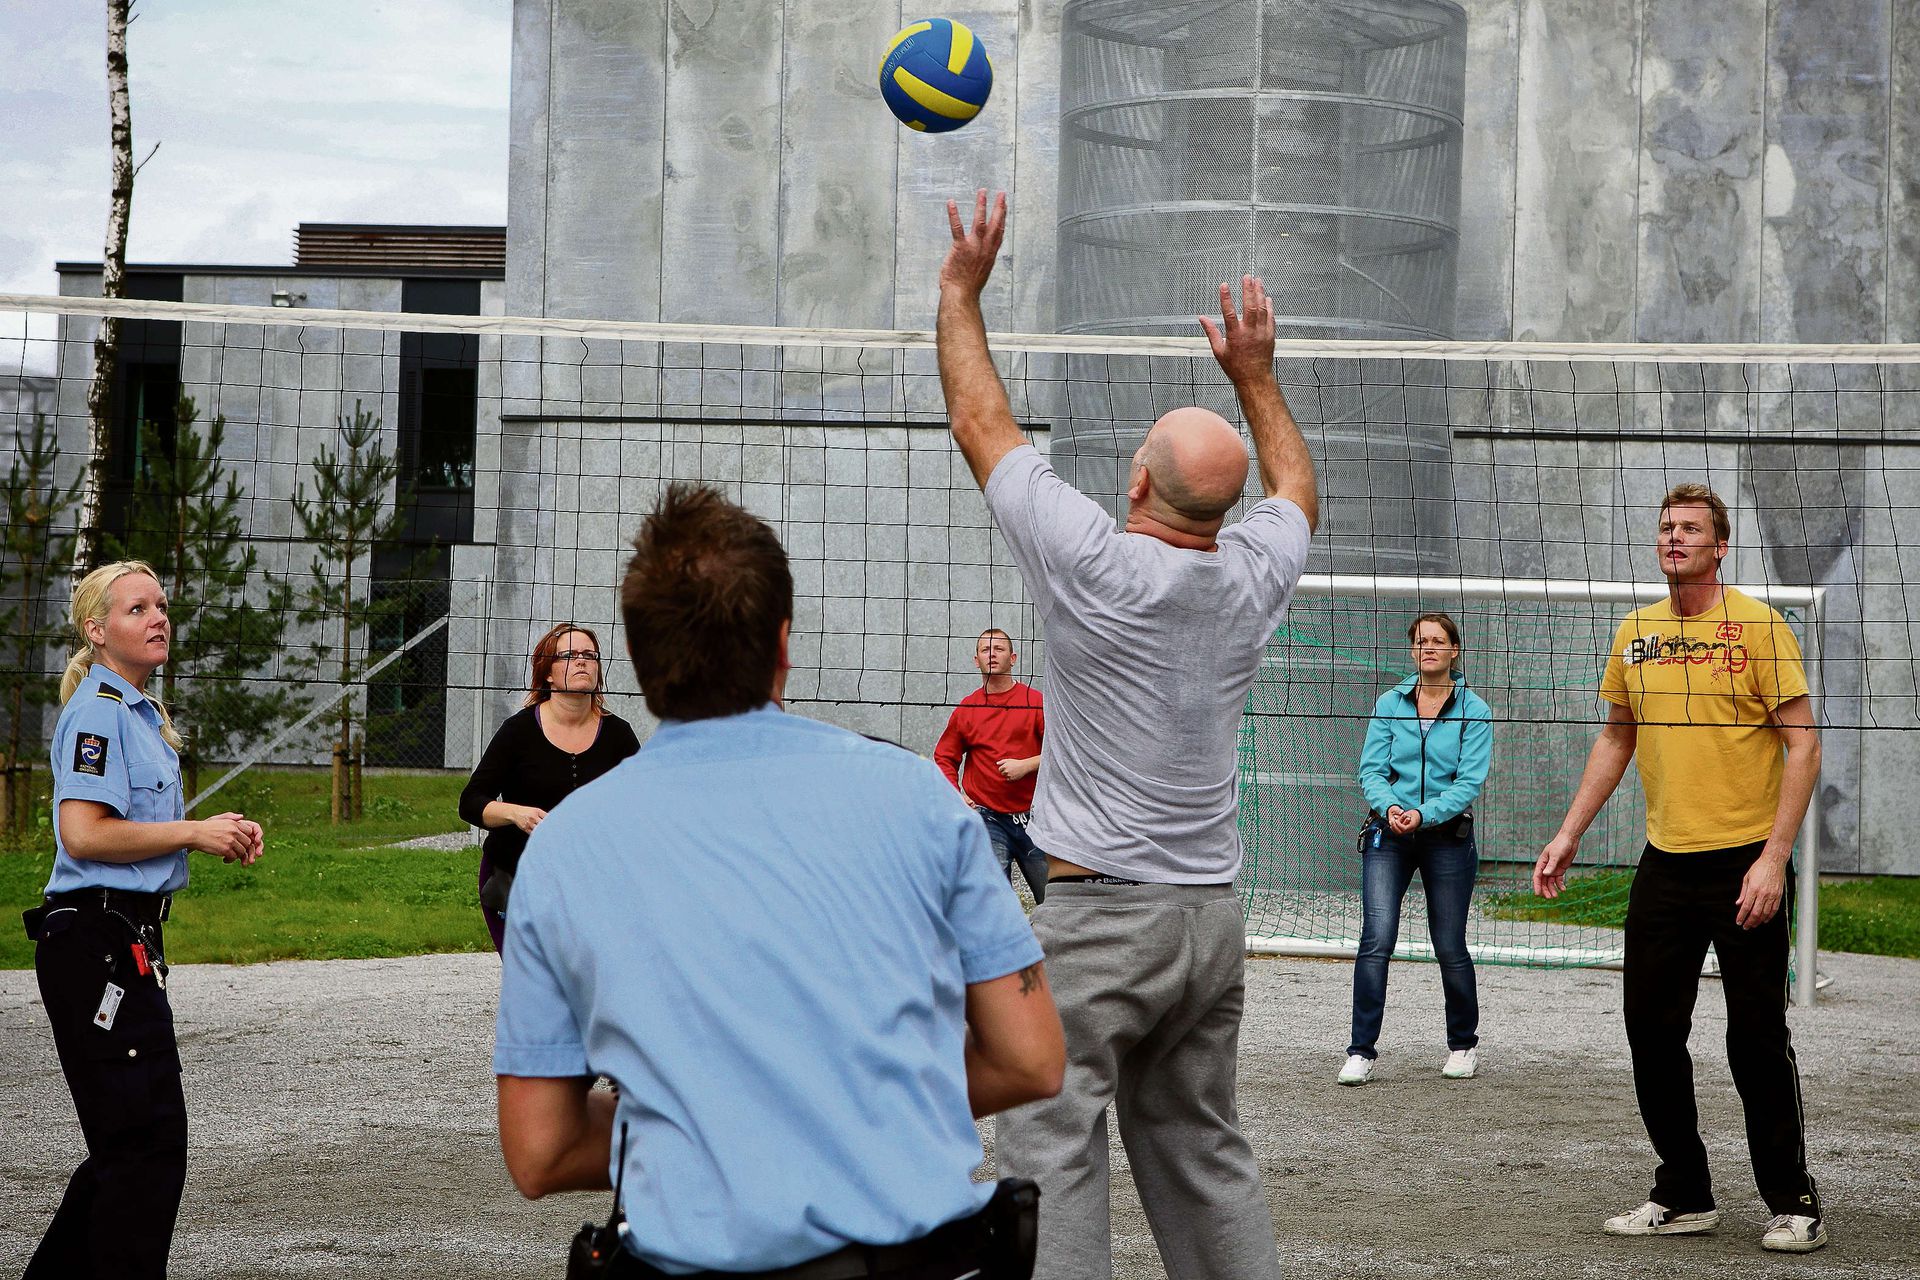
{"x": 1007, "y": 832}
{"x": 1447, "y": 863}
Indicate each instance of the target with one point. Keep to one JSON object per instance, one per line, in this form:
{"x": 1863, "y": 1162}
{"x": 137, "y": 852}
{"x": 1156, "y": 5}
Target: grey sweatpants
{"x": 1150, "y": 983}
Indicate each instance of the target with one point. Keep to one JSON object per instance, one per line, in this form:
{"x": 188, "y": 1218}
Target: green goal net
{"x": 1534, "y": 650}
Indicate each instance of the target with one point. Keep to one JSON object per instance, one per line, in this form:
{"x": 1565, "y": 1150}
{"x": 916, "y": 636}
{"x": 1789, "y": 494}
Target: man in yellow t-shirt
{"x": 1707, "y": 694}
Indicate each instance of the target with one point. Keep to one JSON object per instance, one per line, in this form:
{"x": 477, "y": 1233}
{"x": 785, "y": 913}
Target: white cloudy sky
{"x": 268, "y": 112}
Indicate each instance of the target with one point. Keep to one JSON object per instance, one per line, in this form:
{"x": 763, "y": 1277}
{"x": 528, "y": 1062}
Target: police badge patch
{"x": 90, "y": 754}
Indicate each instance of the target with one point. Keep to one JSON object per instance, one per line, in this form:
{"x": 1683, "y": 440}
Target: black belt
{"x": 979, "y": 1235}
{"x": 148, "y": 908}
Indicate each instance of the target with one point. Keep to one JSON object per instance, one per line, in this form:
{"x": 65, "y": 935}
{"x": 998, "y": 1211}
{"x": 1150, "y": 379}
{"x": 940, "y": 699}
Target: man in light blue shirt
{"x": 788, "y": 946}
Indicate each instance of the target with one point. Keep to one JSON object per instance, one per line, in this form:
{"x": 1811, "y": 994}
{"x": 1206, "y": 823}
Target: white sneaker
{"x": 1793, "y": 1233}
{"x": 1359, "y": 1070}
{"x": 1461, "y": 1064}
{"x": 1652, "y": 1219}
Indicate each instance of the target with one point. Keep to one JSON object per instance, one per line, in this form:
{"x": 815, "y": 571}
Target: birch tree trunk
{"x": 113, "y": 284}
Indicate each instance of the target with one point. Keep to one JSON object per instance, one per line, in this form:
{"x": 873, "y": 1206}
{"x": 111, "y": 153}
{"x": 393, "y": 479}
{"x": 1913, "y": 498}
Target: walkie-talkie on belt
{"x": 594, "y": 1247}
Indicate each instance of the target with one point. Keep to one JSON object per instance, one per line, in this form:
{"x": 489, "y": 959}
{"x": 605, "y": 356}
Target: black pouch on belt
{"x": 1012, "y": 1223}
{"x": 593, "y": 1249}
{"x": 494, "y": 893}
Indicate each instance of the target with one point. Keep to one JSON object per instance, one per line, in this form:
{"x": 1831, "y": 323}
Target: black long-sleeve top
{"x": 521, "y": 767}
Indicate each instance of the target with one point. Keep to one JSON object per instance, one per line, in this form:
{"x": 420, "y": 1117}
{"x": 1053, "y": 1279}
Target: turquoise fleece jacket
{"x": 1439, "y": 772}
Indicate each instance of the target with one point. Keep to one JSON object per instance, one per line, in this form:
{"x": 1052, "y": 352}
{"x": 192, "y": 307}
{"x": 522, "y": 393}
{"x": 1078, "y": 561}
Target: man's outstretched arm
{"x": 977, "y": 408}
{"x": 1243, "y": 344}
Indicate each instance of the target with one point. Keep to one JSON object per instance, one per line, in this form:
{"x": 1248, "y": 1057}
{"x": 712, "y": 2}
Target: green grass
{"x": 320, "y": 892}
{"x": 325, "y": 893}
{"x": 1596, "y": 898}
{"x": 1875, "y": 915}
{"x": 1879, "y": 916}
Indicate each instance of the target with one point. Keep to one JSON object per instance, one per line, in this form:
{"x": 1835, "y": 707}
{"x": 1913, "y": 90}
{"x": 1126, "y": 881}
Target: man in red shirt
{"x": 995, "y": 732}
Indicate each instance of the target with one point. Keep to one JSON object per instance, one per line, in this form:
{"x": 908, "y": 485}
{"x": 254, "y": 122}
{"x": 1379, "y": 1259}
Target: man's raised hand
{"x": 1243, "y": 341}
{"x": 970, "y": 260}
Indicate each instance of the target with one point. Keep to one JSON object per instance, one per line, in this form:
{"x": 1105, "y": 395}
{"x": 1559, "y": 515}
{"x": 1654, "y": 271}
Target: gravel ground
{"x": 343, "y": 1126}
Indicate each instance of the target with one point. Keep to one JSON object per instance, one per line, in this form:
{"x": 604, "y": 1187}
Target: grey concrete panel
{"x": 527, "y": 161}
{"x": 1574, "y": 183}
{"x": 720, "y": 233}
{"x": 1483, "y": 294}
{"x": 934, "y": 168}
{"x": 1034, "y": 89}
{"x": 1826, "y": 199}
{"x": 606, "y": 160}
{"x": 838, "y": 148}
{"x": 1903, "y": 179}
{"x": 1703, "y": 90}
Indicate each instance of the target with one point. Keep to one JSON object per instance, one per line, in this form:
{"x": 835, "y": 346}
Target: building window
{"x": 439, "y": 411}
{"x": 146, "y": 390}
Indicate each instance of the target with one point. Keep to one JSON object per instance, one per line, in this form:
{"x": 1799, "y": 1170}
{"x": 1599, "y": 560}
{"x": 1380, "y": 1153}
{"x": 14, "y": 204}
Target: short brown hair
{"x": 540, "y": 685}
{"x": 1698, "y": 495}
{"x": 703, "y": 600}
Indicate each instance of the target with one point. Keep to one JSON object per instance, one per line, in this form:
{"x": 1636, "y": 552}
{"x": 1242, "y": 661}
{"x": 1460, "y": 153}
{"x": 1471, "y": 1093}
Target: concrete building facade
{"x": 283, "y": 390}
{"x": 1631, "y": 170}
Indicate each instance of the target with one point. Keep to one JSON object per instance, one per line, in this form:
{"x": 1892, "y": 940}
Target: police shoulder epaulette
{"x": 104, "y": 692}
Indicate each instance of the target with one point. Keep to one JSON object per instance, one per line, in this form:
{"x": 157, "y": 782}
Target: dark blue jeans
{"x": 1448, "y": 864}
{"x": 1007, "y": 832}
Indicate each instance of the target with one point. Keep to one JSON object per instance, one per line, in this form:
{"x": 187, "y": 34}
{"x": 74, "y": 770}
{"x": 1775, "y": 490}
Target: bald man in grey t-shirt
{"x": 1154, "y": 635}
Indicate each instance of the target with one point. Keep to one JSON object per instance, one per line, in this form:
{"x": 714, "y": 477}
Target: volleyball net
{"x": 1514, "y": 486}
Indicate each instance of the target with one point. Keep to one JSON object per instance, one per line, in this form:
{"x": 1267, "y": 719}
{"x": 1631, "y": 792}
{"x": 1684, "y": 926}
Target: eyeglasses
{"x": 581, "y": 655}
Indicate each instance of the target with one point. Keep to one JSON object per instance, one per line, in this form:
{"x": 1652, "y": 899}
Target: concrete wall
{"x": 1650, "y": 170}
{"x": 1691, "y": 170}
{"x": 1728, "y": 171}
{"x": 732, "y": 163}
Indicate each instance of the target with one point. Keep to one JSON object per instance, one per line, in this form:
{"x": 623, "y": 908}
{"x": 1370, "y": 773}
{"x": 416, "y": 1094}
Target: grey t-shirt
{"x": 1150, "y": 652}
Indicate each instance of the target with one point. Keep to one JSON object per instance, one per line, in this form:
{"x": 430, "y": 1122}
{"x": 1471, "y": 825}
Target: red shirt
{"x": 985, "y": 729}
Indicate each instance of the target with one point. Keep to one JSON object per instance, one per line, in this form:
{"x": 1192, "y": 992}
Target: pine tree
{"x": 185, "y": 522}
{"x": 32, "y": 550}
{"x": 353, "y": 510}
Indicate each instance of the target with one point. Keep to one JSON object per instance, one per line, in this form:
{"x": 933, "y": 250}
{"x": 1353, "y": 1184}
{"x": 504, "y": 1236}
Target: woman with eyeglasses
{"x": 562, "y": 738}
{"x": 1426, "y": 755}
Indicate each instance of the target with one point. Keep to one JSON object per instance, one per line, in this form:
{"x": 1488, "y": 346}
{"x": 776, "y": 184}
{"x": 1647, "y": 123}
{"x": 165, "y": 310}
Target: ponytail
{"x": 92, "y": 601}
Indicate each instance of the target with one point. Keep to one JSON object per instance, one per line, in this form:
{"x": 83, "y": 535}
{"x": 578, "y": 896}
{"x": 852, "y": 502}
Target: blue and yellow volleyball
{"x": 935, "y": 76}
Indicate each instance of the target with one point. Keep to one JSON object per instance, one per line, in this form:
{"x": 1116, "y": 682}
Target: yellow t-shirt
{"x": 1701, "y": 690}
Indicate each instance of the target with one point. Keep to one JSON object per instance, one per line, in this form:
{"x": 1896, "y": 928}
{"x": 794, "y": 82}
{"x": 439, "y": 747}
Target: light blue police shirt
{"x": 107, "y": 748}
{"x": 762, "y": 928}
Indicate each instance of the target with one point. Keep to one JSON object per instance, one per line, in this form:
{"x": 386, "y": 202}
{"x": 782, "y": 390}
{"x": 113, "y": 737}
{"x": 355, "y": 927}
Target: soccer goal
{"x": 1534, "y": 650}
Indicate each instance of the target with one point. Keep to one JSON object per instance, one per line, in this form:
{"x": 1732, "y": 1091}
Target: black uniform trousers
{"x": 1680, "y": 903}
{"x": 118, "y": 1213}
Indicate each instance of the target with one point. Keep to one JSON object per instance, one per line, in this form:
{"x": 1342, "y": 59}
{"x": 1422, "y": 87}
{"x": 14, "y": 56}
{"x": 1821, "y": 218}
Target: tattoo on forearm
{"x": 1029, "y": 979}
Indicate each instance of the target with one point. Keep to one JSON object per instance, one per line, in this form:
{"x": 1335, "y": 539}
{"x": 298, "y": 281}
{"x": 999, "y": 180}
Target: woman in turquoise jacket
{"x": 1425, "y": 758}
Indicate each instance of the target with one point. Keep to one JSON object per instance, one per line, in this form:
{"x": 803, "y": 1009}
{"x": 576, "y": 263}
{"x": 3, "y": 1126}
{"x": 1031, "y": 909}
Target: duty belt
{"x": 149, "y": 908}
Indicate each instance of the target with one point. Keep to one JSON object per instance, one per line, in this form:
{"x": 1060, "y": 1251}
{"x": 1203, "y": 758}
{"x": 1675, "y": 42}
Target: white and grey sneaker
{"x": 1461, "y": 1064}
{"x": 1359, "y": 1069}
{"x": 1793, "y": 1233}
{"x": 1652, "y": 1219}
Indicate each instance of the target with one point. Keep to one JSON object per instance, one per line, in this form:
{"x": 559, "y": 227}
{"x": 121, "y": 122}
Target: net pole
{"x": 1806, "y": 940}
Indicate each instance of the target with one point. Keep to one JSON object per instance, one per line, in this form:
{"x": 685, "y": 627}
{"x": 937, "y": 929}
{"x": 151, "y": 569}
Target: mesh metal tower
{"x": 1315, "y": 143}
{"x": 1312, "y": 142}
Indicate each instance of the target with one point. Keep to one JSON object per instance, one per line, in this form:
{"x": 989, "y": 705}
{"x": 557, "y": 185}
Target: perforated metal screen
{"x": 1315, "y": 143}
